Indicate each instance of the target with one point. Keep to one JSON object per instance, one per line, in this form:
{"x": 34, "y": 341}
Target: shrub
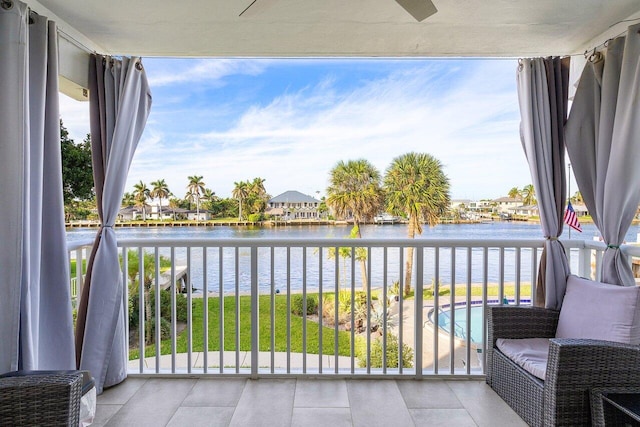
{"x": 255, "y": 217}
{"x": 297, "y": 305}
{"x": 345, "y": 301}
{"x": 394, "y": 289}
{"x": 392, "y": 354}
{"x": 165, "y": 328}
{"x": 378, "y": 314}
{"x": 165, "y": 307}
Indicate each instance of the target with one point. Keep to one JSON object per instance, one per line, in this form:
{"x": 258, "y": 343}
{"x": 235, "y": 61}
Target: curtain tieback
{"x": 103, "y": 227}
{"x": 552, "y": 238}
{"x": 613, "y": 247}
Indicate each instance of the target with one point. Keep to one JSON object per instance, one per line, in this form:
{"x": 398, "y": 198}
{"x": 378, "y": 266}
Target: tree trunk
{"x": 409, "y": 262}
{"x": 363, "y": 263}
{"x": 148, "y": 316}
{"x": 363, "y": 269}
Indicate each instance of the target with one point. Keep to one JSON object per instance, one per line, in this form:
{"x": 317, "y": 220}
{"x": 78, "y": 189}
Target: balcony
{"x": 364, "y": 332}
{"x": 252, "y": 374}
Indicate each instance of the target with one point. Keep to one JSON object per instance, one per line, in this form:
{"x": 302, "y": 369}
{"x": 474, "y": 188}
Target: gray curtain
{"x": 119, "y": 106}
{"x": 542, "y": 94}
{"x": 603, "y": 142}
{"x": 36, "y": 329}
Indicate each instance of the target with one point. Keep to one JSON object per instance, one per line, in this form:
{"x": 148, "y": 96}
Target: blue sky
{"x": 291, "y": 120}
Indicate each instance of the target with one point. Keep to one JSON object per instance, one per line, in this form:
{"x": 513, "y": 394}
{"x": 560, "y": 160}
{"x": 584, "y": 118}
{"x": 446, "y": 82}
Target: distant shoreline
{"x": 288, "y": 223}
{"x": 267, "y": 223}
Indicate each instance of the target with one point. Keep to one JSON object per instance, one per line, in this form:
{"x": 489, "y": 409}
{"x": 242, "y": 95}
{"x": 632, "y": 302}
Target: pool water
{"x": 460, "y": 318}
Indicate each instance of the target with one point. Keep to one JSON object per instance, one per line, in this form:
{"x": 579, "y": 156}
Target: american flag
{"x": 571, "y": 219}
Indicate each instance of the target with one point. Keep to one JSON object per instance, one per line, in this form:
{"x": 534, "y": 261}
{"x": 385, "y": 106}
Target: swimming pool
{"x": 460, "y": 318}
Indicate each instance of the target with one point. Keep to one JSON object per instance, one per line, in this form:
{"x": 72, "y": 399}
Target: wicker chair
{"x": 574, "y": 367}
{"x": 40, "y": 398}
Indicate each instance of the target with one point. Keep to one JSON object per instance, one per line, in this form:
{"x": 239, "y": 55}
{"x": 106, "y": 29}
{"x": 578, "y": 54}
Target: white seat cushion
{"x": 529, "y": 353}
{"x": 593, "y": 310}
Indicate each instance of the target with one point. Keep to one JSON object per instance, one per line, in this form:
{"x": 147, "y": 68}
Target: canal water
{"x": 310, "y": 262}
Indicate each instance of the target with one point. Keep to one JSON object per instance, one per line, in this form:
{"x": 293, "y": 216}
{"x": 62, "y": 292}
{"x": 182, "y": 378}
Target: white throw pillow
{"x": 594, "y": 310}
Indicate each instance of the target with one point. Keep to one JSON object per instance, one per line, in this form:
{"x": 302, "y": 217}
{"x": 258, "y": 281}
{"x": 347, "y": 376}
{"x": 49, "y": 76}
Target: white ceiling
{"x": 292, "y": 28}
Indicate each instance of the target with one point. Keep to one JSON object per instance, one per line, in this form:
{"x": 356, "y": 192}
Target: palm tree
{"x": 209, "y": 196}
{"x": 257, "y": 187}
{"x": 128, "y": 199}
{"x": 354, "y": 188}
{"x": 577, "y": 197}
{"x": 160, "y": 191}
{"x": 140, "y": 195}
{"x": 258, "y": 195}
{"x": 240, "y": 192}
{"x": 417, "y": 187}
{"x": 514, "y": 193}
{"x": 173, "y": 204}
{"x": 195, "y": 187}
{"x": 529, "y": 195}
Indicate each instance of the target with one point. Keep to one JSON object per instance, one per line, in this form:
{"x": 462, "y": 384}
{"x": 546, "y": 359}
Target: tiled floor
{"x": 302, "y": 402}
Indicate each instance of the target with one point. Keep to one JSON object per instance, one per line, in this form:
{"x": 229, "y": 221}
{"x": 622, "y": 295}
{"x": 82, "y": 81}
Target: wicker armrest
{"x": 520, "y": 322}
{"x": 577, "y": 366}
{"x": 593, "y": 362}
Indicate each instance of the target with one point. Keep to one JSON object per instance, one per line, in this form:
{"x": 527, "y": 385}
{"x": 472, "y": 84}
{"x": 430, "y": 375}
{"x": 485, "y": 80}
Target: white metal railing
{"x": 78, "y": 254}
{"x": 236, "y": 306}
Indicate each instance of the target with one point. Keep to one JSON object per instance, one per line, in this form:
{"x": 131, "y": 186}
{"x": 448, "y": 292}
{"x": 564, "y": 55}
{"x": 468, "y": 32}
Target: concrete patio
{"x": 301, "y": 402}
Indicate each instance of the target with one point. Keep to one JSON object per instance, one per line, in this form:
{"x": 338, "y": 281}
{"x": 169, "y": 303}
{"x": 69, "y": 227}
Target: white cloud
{"x": 462, "y": 112}
{"x": 167, "y": 71}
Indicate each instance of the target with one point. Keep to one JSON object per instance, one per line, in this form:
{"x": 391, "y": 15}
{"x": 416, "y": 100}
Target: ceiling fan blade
{"x": 419, "y": 9}
{"x": 255, "y": 7}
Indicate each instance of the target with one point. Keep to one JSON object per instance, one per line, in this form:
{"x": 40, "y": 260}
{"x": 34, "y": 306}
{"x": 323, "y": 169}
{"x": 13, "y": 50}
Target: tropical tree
{"x": 416, "y": 186}
{"x": 354, "y": 189}
{"x": 529, "y": 195}
{"x": 77, "y": 172}
{"x": 149, "y": 267}
{"x": 257, "y": 197}
{"x": 175, "y": 203}
{"x": 226, "y": 208}
{"x": 240, "y": 193}
{"x": 128, "y": 200}
{"x": 195, "y": 188}
{"x": 140, "y": 194}
{"x": 514, "y": 193}
{"x": 322, "y": 207}
{"x": 209, "y": 196}
{"x": 160, "y": 191}
{"x": 577, "y": 197}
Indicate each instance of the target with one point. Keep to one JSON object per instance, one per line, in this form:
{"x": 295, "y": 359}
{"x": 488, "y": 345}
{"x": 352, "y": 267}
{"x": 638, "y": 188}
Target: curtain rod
{"x": 75, "y": 42}
{"x": 591, "y": 54}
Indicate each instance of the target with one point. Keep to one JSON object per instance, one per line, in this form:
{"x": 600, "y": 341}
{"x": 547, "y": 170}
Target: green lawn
{"x": 73, "y": 266}
{"x": 296, "y": 344}
{"x": 328, "y": 334}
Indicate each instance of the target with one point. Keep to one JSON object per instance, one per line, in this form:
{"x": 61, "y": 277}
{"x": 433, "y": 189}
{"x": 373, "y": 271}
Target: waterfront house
{"x": 507, "y": 205}
{"x": 293, "y": 205}
{"x": 580, "y": 209}
{"x": 167, "y": 213}
{"x": 283, "y": 28}
{"x": 135, "y": 213}
{"x": 201, "y": 215}
{"x": 527, "y": 211}
{"x": 460, "y": 203}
